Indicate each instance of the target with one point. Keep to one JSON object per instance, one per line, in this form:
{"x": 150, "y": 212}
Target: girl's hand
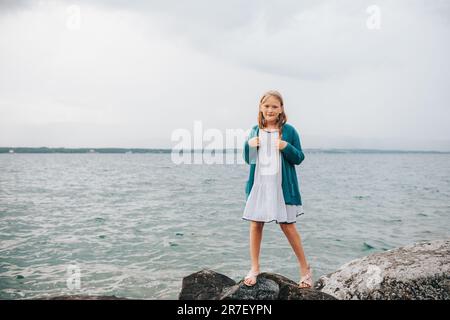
{"x": 281, "y": 144}
{"x": 254, "y": 142}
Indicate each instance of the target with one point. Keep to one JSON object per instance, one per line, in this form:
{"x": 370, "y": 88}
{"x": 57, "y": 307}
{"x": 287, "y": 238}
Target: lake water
{"x": 133, "y": 225}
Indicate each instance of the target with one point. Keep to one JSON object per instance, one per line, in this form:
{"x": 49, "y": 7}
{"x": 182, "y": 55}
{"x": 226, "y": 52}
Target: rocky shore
{"x": 210, "y": 285}
{"x": 416, "y": 272}
{"x": 420, "y": 271}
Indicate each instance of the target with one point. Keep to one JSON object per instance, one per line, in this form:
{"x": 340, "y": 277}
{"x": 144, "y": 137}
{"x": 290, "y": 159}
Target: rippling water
{"x": 135, "y": 224}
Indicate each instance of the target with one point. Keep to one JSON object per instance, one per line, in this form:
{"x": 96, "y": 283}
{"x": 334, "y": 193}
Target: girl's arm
{"x": 293, "y": 151}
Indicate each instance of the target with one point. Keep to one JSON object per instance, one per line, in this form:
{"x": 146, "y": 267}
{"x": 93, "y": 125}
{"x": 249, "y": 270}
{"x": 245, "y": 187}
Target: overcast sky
{"x": 128, "y": 75}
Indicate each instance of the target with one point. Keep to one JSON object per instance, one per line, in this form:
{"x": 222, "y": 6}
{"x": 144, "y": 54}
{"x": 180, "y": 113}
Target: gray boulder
{"x": 210, "y": 285}
{"x": 204, "y": 285}
{"x": 82, "y": 297}
{"x": 420, "y": 271}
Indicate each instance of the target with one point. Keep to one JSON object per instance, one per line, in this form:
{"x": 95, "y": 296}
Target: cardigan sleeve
{"x": 249, "y": 152}
{"x": 293, "y": 151}
{"x": 246, "y": 151}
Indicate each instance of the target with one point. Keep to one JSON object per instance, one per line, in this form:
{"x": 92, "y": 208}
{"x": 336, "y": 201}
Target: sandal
{"x": 251, "y": 275}
{"x": 306, "y": 280}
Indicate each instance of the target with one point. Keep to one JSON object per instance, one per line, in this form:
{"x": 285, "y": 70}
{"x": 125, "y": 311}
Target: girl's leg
{"x": 295, "y": 241}
{"x": 256, "y": 229}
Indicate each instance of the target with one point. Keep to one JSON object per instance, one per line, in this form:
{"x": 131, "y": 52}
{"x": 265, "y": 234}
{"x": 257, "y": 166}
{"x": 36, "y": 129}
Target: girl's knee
{"x": 257, "y": 224}
{"x": 286, "y": 226}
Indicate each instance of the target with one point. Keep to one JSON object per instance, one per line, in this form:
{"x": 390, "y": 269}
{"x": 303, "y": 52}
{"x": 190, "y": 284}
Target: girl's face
{"x": 270, "y": 109}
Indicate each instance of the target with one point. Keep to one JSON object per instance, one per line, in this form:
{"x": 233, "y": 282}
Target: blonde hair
{"x": 282, "y": 118}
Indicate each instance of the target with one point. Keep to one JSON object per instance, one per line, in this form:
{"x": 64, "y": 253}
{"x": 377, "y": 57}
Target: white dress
{"x": 265, "y": 202}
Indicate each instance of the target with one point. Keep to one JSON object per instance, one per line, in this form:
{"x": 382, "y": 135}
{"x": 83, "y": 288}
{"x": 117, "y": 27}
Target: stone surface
{"x": 210, "y": 285}
{"x": 204, "y": 285}
{"x": 419, "y": 271}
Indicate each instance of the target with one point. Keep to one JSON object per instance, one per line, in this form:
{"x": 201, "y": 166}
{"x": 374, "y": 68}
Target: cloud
{"x": 148, "y": 67}
{"x": 305, "y": 39}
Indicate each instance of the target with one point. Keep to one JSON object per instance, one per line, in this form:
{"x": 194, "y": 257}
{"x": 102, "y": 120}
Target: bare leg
{"x": 256, "y": 229}
{"x": 295, "y": 241}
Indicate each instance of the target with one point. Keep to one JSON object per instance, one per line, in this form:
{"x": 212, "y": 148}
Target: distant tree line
{"x": 143, "y": 150}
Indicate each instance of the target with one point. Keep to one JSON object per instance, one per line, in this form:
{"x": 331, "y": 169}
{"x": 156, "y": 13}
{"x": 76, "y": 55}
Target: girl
{"x": 272, "y": 150}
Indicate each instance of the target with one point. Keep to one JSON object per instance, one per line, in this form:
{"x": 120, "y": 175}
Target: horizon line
{"x": 167, "y": 150}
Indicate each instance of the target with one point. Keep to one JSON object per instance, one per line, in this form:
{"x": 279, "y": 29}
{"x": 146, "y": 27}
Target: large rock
{"x": 82, "y": 297}
{"x": 418, "y": 271}
{"x": 204, "y": 285}
{"x": 210, "y": 285}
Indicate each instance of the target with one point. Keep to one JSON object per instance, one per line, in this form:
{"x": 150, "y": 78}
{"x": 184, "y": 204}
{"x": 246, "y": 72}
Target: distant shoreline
{"x": 11, "y": 150}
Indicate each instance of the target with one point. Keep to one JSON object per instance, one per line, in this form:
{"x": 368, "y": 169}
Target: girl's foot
{"x": 306, "y": 279}
{"x": 250, "y": 278}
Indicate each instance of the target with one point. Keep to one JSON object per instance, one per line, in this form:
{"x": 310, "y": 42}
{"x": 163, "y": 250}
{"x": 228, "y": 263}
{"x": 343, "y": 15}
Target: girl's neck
{"x": 271, "y": 126}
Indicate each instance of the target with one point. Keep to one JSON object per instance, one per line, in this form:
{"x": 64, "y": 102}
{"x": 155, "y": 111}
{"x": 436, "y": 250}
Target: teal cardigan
{"x": 292, "y": 155}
